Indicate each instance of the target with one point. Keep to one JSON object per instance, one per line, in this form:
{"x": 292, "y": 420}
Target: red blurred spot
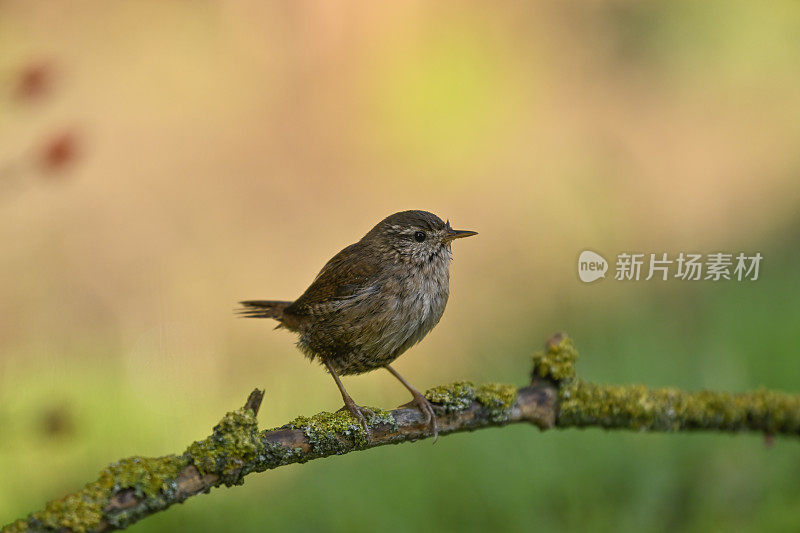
{"x": 35, "y": 81}
{"x": 769, "y": 440}
{"x": 59, "y": 151}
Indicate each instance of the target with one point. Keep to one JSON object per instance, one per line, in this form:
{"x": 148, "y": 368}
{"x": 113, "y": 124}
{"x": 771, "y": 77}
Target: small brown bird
{"x": 373, "y": 301}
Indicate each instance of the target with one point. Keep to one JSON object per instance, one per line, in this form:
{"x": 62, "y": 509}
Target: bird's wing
{"x": 347, "y": 274}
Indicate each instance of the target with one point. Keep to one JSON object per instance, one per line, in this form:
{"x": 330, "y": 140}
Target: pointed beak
{"x": 458, "y": 234}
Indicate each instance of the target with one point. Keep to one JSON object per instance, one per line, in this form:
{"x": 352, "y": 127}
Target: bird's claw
{"x": 430, "y": 416}
{"x": 358, "y": 412}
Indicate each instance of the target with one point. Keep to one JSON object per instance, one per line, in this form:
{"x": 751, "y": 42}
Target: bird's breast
{"x": 372, "y": 328}
{"x": 417, "y": 302}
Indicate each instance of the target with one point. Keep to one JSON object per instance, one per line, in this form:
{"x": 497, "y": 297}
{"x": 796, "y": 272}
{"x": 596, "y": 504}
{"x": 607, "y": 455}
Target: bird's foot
{"x": 359, "y": 413}
{"x": 430, "y": 415}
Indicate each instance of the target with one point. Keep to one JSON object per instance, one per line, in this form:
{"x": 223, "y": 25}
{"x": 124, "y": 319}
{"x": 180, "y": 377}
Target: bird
{"x": 373, "y": 301}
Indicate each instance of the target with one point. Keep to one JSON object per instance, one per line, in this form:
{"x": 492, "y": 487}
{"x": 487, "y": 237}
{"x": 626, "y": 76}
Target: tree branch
{"x": 134, "y": 488}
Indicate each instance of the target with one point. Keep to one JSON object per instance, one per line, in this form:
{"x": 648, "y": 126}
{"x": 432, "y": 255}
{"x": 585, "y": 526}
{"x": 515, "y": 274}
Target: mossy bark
{"x": 134, "y": 488}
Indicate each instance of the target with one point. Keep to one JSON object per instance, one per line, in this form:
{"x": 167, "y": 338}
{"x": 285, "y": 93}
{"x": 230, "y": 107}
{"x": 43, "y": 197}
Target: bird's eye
{"x": 419, "y": 236}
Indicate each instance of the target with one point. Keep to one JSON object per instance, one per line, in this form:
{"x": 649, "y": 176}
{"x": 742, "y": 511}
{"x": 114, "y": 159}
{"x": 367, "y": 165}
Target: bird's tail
{"x": 263, "y": 309}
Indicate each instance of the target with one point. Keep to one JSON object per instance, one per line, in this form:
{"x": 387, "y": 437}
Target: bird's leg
{"x": 422, "y": 402}
{"x": 357, "y": 411}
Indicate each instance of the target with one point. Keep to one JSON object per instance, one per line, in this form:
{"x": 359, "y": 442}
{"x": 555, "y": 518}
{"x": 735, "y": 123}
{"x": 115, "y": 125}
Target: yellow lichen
{"x": 456, "y": 396}
{"x": 331, "y": 433}
{"x": 20, "y": 526}
{"x": 637, "y": 407}
{"x": 151, "y": 478}
{"x": 557, "y": 361}
{"x": 233, "y": 449}
{"x": 498, "y": 398}
{"x": 459, "y": 395}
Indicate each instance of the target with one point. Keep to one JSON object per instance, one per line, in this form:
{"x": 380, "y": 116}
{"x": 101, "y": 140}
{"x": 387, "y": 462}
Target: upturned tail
{"x": 263, "y": 309}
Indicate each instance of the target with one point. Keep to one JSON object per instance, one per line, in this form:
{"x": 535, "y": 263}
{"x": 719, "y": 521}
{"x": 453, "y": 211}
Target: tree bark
{"x": 134, "y": 488}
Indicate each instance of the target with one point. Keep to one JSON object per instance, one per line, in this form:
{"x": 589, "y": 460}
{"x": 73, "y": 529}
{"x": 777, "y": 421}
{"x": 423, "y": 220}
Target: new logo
{"x": 591, "y": 266}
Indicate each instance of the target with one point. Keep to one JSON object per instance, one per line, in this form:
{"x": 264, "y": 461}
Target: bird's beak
{"x": 458, "y": 234}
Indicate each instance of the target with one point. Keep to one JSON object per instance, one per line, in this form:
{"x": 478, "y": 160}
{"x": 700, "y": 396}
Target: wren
{"x": 373, "y": 301}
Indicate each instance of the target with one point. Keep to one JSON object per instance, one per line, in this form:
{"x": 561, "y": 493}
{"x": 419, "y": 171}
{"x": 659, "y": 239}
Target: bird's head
{"x": 416, "y": 236}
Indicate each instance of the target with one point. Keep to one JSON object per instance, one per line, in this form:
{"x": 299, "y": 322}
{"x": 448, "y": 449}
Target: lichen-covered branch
{"x": 638, "y": 408}
{"x": 134, "y": 488}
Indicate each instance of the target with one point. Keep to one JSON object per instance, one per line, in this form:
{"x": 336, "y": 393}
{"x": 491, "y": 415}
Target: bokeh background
{"x": 160, "y": 161}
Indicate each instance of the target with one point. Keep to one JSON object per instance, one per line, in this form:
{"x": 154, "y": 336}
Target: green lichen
{"x": 456, "y": 396}
{"x": 20, "y": 526}
{"x": 459, "y": 395}
{"x": 335, "y": 433}
{"x": 149, "y": 476}
{"x": 498, "y": 398}
{"x": 152, "y": 480}
{"x": 233, "y": 450}
{"x": 80, "y": 511}
{"x": 557, "y": 361}
{"x": 276, "y": 455}
{"x": 639, "y": 408}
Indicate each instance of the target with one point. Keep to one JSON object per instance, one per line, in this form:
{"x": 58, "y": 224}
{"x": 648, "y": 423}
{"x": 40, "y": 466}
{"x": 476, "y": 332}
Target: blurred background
{"x": 160, "y": 161}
